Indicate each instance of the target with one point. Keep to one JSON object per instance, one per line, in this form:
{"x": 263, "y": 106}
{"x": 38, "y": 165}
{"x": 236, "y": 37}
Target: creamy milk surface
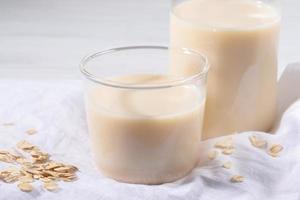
{"x": 146, "y": 136}
{"x": 239, "y": 38}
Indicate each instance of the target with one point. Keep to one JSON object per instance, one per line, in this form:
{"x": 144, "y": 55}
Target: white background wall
{"x": 49, "y": 37}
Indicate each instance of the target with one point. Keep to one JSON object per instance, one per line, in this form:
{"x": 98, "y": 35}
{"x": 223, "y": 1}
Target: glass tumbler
{"x": 240, "y": 39}
{"x": 144, "y": 122}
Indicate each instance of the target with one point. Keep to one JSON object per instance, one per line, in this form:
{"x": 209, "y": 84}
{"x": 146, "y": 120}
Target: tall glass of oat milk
{"x": 240, "y": 39}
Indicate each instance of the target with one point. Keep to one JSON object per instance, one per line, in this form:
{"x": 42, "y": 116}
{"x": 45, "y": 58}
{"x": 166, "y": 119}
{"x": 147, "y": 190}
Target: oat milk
{"x": 145, "y": 136}
{"x": 239, "y": 38}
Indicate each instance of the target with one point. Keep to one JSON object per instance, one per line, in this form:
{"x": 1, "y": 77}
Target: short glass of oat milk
{"x": 145, "y": 123}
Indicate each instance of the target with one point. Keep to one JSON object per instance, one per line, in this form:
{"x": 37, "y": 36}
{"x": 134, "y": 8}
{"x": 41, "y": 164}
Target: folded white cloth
{"x": 56, "y": 110}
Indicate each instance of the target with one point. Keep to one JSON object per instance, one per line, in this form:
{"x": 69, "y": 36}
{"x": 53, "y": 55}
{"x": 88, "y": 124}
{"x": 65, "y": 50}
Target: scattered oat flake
{"x": 50, "y": 185}
{"x": 227, "y": 165}
{"x": 9, "y": 175}
{"x": 3, "y": 152}
{"x": 35, "y": 153}
{"x": 273, "y": 154}
{"x": 10, "y": 179}
{"x": 32, "y": 171}
{"x": 5, "y": 158}
{"x": 68, "y": 179}
{"x": 26, "y": 179}
{"x": 259, "y": 143}
{"x": 66, "y": 175}
{"x": 63, "y": 169}
{"x": 24, "y": 145}
{"x": 31, "y": 131}
{"x": 53, "y": 165}
{"x": 212, "y": 155}
{"x": 45, "y": 179}
{"x": 73, "y": 168}
{"x": 21, "y": 160}
{"x": 25, "y": 187}
{"x": 237, "y": 179}
{"x": 276, "y": 148}
{"x": 227, "y": 151}
{"x": 225, "y": 144}
{"x": 8, "y": 124}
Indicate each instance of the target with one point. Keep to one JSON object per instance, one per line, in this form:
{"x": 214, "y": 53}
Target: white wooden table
{"x": 47, "y": 38}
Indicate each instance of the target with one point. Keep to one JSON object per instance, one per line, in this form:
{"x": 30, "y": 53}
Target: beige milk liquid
{"x": 145, "y": 136}
{"x": 239, "y": 38}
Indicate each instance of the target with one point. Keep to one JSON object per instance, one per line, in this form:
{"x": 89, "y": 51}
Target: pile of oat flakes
{"x": 29, "y": 164}
{"x": 226, "y": 146}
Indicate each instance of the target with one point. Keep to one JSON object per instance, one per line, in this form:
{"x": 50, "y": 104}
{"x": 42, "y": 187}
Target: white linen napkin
{"x": 55, "y": 109}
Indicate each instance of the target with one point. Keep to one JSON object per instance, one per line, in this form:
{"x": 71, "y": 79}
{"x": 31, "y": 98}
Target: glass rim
{"x": 167, "y": 84}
